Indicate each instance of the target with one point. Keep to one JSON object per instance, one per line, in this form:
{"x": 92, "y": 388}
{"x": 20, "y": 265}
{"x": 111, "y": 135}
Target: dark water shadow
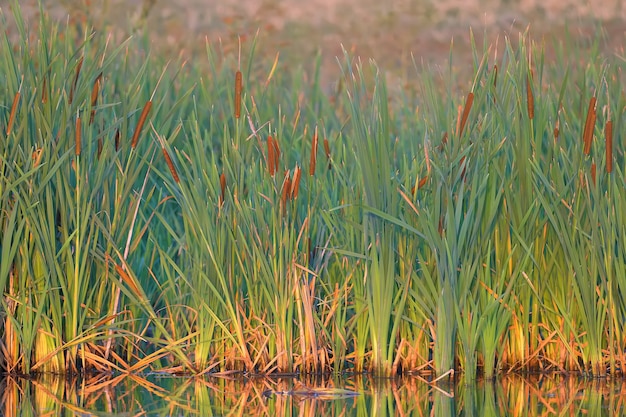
{"x": 161, "y": 395}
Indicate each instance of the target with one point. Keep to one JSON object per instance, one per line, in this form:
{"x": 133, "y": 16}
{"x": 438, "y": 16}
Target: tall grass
{"x": 231, "y": 216}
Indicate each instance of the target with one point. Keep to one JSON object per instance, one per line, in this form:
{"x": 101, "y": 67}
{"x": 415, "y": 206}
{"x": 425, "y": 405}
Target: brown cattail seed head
{"x": 170, "y": 165}
{"x": 140, "y": 123}
{"x": 589, "y": 125}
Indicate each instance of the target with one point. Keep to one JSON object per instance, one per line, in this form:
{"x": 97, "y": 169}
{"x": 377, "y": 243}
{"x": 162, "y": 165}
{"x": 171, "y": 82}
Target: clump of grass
{"x": 204, "y": 250}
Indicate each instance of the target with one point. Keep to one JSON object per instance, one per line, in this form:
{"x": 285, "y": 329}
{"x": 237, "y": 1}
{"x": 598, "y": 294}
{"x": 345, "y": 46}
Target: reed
{"x": 492, "y": 250}
{"x": 238, "y": 87}
{"x": 530, "y": 98}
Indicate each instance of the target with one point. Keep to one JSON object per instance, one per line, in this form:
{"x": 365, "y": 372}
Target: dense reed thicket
{"x": 233, "y": 215}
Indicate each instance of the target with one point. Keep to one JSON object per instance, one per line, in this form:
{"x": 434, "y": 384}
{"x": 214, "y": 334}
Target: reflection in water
{"x": 160, "y": 395}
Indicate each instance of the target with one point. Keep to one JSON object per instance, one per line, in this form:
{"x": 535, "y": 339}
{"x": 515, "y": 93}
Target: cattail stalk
{"x": 16, "y": 100}
{"x": 170, "y": 165}
{"x": 313, "y": 161}
{"x": 140, "y": 123}
{"x": 589, "y": 125}
{"x": 466, "y": 110}
{"x": 608, "y": 135}
{"x": 238, "y": 85}
{"x": 530, "y": 99}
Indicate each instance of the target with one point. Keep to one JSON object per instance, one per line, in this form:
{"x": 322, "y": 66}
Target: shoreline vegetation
{"x": 234, "y": 218}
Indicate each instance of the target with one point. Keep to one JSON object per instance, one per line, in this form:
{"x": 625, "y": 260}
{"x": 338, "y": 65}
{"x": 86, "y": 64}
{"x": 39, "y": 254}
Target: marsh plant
{"x": 229, "y": 215}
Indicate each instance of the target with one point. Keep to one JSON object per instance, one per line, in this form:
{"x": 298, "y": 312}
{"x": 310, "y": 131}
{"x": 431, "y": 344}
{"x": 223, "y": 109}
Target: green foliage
{"x": 363, "y": 236}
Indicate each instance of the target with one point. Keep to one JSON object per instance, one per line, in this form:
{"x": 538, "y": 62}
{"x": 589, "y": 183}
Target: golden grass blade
{"x": 128, "y": 280}
{"x": 466, "y": 110}
{"x": 16, "y": 100}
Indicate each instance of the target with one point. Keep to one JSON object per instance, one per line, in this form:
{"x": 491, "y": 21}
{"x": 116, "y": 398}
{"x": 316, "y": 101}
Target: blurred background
{"x": 387, "y": 31}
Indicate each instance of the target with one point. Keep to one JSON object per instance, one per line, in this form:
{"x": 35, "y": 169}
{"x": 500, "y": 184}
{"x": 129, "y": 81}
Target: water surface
{"x": 160, "y": 395}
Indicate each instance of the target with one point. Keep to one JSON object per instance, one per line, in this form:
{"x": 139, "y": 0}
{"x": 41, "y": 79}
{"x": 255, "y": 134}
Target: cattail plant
{"x": 327, "y": 153}
{"x": 222, "y": 188}
{"x": 295, "y": 186}
{"x": 590, "y": 122}
{"x": 285, "y": 190}
{"x": 466, "y": 110}
{"x": 238, "y": 86}
{"x": 94, "y": 97}
{"x": 170, "y": 165}
{"x": 608, "y": 135}
{"x": 140, "y": 123}
{"x": 116, "y": 140}
{"x": 313, "y": 160}
{"x": 530, "y": 99}
{"x": 273, "y": 155}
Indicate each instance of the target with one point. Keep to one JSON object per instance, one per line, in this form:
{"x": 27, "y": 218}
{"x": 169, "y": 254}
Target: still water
{"x": 155, "y": 395}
